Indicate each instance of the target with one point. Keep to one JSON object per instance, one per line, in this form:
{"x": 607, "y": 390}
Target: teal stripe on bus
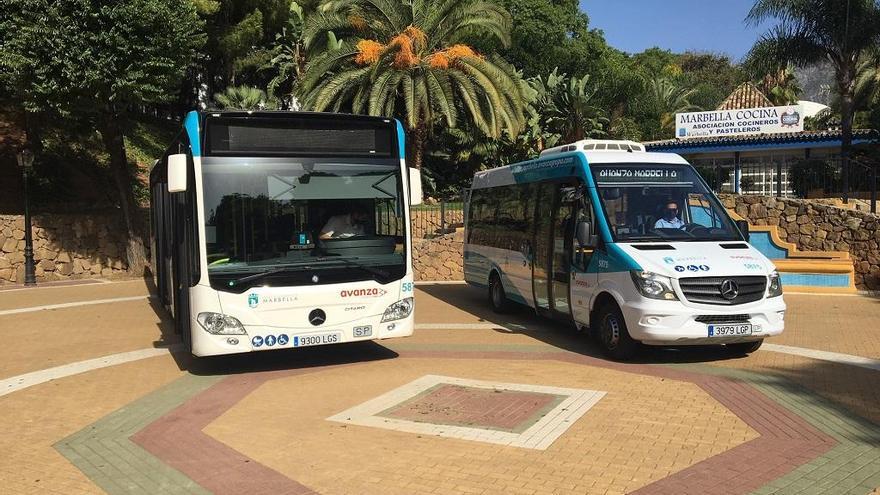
{"x": 191, "y": 124}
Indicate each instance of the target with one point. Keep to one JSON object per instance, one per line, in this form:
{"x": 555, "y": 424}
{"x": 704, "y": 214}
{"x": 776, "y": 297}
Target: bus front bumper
{"x": 265, "y": 338}
{"x": 672, "y": 323}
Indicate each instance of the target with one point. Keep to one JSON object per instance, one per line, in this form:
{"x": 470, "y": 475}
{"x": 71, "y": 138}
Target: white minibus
{"x": 632, "y": 246}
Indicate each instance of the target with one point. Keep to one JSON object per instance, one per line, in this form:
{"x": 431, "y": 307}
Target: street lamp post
{"x": 26, "y": 161}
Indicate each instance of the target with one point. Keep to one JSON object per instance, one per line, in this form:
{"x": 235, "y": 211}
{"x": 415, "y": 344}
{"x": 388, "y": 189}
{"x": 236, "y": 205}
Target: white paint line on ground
{"x": 20, "y": 382}
{"x": 468, "y": 326}
{"x": 824, "y": 294}
{"x": 26, "y": 380}
{"x": 31, "y": 309}
{"x": 97, "y": 281}
{"x": 834, "y": 357}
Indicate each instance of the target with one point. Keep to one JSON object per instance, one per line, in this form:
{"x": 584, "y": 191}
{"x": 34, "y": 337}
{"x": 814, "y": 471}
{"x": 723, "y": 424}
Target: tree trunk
{"x": 418, "y": 145}
{"x": 135, "y": 253}
{"x": 846, "y": 117}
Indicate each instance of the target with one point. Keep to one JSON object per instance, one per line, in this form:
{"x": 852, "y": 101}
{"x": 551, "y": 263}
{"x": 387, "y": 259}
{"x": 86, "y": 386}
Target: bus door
{"x": 554, "y": 234}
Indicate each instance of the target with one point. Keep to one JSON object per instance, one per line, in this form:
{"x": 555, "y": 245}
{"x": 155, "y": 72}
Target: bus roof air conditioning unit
{"x": 596, "y": 145}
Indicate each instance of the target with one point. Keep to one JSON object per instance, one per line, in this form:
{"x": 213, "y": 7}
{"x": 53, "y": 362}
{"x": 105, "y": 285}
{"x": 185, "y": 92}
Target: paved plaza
{"x": 97, "y": 398}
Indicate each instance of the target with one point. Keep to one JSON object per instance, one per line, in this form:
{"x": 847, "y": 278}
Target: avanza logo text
{"x": 362, "y": 292}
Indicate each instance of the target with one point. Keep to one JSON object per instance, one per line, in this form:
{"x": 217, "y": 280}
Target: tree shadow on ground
{"x": 273, "y": 360}
{"x": 843, "y": 397}
{"x": 563, "y": 335}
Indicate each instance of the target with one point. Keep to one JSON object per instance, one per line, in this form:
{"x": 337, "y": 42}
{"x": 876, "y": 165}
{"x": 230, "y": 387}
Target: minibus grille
{"x": 721, "y": 319}
{"x": 708, "y": 290}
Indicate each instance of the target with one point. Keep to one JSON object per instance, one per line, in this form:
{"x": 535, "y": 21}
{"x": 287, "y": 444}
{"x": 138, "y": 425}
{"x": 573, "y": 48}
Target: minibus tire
{"x": 745, "y": 347}
{"x": 497, "y": 298}
{"x": 610, "y": 321}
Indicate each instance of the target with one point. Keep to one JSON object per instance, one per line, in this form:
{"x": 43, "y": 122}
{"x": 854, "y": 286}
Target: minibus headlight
{"x": 399, "y": 310}
{"x": 774, "y": 288}
{"x": 653, "y": 286}
{"x": 220, "y": 324}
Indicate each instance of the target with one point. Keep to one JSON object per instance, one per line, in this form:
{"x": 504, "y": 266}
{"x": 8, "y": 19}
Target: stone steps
{"x": 803, "y": 271}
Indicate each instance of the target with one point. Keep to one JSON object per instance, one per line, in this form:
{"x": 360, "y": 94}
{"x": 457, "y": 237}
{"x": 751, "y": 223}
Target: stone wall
{"x": 65, "y": 247}
{"x": 439, "y": 258}
{"x": 817, "y": 225}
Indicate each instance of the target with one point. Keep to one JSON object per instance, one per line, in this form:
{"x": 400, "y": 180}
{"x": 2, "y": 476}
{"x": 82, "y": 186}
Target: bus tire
{"x": 743, "y": 348}
{"x": 612, "y": 335}
{"x": 497, "y": 297}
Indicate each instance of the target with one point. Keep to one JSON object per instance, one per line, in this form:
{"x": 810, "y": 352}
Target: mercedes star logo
{"x": 729, "y": 289}
{"x": 317, "y": 317}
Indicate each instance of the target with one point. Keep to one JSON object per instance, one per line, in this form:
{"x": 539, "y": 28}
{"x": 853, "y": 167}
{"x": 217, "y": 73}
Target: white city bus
{"x": 630, "y": 245}
{"x": 281, "y": 229}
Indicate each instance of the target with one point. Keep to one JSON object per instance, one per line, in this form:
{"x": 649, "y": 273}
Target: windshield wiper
{"x": 369, "y": 269}
{"x": 382, "y": 274}
{"x": 642, "y": 238}
{"x": 269, "y": 273}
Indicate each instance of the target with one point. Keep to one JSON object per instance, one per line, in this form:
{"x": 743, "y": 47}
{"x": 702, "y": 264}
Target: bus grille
{"x": 707, "y": 290}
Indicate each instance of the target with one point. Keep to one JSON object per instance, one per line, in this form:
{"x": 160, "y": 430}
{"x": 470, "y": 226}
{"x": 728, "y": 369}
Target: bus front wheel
{"x": 497, "y": 297}
{"x": 612, "y": 334}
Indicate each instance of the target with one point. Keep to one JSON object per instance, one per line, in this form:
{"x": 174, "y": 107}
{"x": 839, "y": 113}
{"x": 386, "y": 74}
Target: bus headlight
{"x": 653, "y": 286}
{"x": 774, "y": 288}
{"x": 399, "y": 310}
{"x": 220, "y": 324}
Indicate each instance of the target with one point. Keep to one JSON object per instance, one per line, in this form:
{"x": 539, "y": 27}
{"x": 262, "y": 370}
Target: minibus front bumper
{"x": 672, "y": 323}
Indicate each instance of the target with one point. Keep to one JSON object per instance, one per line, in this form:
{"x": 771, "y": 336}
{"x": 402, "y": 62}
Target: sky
{"x": 679, "y": 25}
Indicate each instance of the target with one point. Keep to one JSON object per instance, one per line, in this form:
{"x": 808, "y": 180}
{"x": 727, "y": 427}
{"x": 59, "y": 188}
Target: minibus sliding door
{"x": 551, "y": 274}
{"x": 543, "y": 226}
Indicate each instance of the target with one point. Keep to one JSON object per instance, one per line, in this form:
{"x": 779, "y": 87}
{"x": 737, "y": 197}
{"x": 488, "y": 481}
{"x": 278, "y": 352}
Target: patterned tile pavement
{"x": 686, "y": 421}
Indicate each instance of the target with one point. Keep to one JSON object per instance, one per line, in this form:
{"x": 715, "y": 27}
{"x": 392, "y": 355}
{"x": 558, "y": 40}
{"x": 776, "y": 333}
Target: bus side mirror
{"x": 584, "y": 234}
{"x": 415, "y": 186}
{"x": 177, "y": 173}
{"x": 743, "y": 226}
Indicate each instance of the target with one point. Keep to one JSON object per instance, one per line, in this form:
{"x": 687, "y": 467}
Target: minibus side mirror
{"x": 584, "y": 234}
{"x": 415, "y": 186}
{"x": 743, "y": 226}
{"x": 177, "y": 173}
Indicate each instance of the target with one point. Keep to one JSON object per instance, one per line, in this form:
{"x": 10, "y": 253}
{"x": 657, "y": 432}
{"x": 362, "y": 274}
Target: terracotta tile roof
{"x": 746, "y": 95}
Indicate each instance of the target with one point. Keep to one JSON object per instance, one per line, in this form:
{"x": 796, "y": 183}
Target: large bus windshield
{"x": 647, "y": 202}
{"x": 293, "y": 215}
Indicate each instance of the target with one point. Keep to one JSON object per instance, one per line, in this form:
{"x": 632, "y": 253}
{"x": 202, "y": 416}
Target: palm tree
{"x": 407, "y": 59}
{"x": 780, "y": 86}
{"x": 243, "y": 98}
{"x": 567, "y": 106}
{"x": 811, "y": 31}
{"x": 666, "y": 98}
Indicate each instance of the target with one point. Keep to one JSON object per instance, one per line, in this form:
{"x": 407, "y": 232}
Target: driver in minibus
{"x": 670, "y": 219}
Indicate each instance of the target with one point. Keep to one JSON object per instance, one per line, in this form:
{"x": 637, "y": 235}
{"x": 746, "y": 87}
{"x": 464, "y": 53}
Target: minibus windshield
{"x": 647, "y": 202}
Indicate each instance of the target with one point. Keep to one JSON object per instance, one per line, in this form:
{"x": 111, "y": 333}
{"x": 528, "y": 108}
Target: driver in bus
{"x": 670, "y": 219}
{"x": 345, "y": 225}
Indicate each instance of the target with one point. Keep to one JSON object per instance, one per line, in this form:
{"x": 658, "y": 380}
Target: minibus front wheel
{"x": 612, "y": 334}
{"x": 497, "y": 297}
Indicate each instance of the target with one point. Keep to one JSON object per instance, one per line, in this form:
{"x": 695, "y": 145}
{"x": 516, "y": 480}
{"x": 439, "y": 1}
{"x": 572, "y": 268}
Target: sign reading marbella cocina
{"x": 718, "y": 123}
